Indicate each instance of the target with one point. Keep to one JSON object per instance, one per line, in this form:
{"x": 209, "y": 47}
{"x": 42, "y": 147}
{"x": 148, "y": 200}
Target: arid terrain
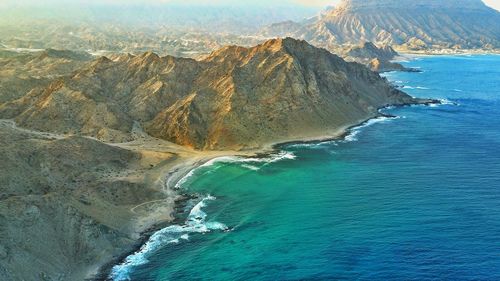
{"x": 98, "y": 121}
{"x": 71, "y": 204}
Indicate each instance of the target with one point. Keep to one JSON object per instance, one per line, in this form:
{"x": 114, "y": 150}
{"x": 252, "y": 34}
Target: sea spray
{"x": 195, "y": 223}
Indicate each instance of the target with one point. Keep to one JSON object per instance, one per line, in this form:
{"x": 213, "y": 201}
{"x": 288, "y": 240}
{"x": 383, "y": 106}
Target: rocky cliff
{"x": 411, "y": 24}
{"x": 236, "y": 98}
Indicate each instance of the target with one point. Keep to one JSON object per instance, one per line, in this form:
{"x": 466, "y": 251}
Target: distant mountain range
{"x": 238, "y": 18}
{"x": 408, "y": 24}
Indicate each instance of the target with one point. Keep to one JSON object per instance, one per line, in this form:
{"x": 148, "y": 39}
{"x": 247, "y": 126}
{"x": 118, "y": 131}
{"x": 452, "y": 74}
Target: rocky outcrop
{"x": 378, "y": 59}
{"x": 369, "y": 51}
{"x": 236, "y": 98}
{"x": 409, "y": 24}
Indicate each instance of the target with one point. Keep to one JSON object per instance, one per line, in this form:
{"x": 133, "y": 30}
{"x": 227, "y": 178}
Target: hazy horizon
{"x": 202, "y": 14}
{"x": 310, "y": 3}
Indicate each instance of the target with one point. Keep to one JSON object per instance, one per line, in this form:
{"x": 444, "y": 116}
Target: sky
{"x": 315, "y": 3}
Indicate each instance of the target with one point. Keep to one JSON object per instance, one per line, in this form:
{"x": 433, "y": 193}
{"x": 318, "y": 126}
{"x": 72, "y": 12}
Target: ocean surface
{"x": 411, "y": 198}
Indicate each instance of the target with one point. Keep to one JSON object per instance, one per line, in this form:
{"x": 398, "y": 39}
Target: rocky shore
{"x": 128, "y": 220}
{"x": 177, "y": 173}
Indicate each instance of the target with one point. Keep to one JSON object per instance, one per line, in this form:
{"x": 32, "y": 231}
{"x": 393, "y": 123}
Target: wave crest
{"x": 195, "y": 223}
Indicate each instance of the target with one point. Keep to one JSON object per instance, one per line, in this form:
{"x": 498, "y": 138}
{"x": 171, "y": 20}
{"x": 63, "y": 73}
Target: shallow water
{"x": 412, "y": 198}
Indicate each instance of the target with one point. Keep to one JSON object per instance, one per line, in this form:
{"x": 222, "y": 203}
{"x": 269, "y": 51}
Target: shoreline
{"x": 449, "y": 52}
{"x": 174, "y": 175}
{"x": 177, "y": 173}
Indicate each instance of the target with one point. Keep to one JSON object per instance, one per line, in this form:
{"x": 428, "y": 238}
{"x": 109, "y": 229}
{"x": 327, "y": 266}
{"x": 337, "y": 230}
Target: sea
{"x": 416, "y": 197}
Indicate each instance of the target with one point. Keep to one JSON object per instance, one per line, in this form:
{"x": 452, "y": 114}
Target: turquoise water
{"x": 412, "y": 198}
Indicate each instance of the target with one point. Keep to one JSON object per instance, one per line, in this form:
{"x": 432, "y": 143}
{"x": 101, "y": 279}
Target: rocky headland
{"x": 92, "y": 149}
{"x": 379, "y": 59}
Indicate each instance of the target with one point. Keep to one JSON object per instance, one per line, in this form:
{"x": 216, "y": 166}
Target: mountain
{"x": 368, "y": 50}
{"x": 233, "y": 16}
{"x": 236, "y": 98}
{"x": 21, "y": 72}
{"x": 408, "y": 24}
{"x": 378, "y": 59}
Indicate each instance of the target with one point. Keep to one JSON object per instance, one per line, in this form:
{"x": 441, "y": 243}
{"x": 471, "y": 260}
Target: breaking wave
{"x": 351, "y": 136}
{"x": 415, "y": 88}
{"x": 353, "y": 132}
{"x": 444, "y": 102}
{"x": 251, "y": 163}
{"x": 195, "y": 223}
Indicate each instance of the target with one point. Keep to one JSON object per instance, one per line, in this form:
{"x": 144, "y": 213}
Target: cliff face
{"x": 237, "y": 98}
{"x": 412, "y": 24}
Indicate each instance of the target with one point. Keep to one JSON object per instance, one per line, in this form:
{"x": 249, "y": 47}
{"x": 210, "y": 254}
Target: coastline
{"x": 174, "y": 174}
{"x": 448, "y": 52}
{"x": 177, "y": 173}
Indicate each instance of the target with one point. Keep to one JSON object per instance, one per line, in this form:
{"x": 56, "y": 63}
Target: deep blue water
{"x": 413, "y": 198}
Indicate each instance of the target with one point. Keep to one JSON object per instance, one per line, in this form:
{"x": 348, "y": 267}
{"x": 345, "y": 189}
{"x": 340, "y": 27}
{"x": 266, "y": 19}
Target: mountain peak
{"x": 408, "y": 24}
{"x": 286, "y": 43}
{"x": 148, "y": 57}
{"x": 242, "y": 54}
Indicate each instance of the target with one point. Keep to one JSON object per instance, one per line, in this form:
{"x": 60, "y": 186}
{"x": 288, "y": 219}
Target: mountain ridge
{"x": 236, "y": 98}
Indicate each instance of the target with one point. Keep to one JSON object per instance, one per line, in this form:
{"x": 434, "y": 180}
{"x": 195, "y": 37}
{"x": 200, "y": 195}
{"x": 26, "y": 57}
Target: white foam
{"x": 223, "y": 159}
{"x": 250, "y": 167}
{"x": 415, "y": 88}
{"x": 282, "y": 155}
{"x": 184, "y": 179}
{"x": 272, "y": 158}
{"x": 353, "y": 132}
{"x": 443, "y": 102}
{"x": 195, "y": 223}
